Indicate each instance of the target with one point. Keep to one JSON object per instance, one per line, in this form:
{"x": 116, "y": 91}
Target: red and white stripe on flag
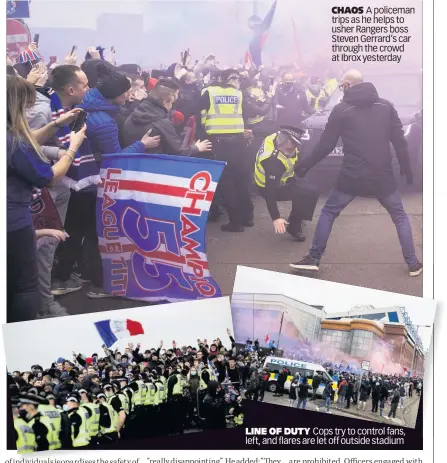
{"x": 125, "y": 328}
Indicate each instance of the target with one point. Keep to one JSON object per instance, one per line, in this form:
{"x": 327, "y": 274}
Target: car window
{"x": 304, "y": 373}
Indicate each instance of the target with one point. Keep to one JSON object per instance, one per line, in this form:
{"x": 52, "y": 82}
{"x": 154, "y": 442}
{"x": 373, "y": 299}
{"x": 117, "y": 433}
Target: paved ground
{"x": 363, "y": 250}
{"x": 404, "y": 417}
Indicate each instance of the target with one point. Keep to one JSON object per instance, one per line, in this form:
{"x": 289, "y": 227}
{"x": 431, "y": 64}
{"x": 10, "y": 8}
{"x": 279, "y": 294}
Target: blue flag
{"x": 260, "y": 36}
{"x": 17, "y": 9}
{"x": 151, "y": 220}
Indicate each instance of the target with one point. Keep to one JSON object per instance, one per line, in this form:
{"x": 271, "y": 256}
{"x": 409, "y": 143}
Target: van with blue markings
{"x": 274, "y": 365}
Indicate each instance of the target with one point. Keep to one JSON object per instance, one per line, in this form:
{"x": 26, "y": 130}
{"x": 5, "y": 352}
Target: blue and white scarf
{"x": 84, "y": 170}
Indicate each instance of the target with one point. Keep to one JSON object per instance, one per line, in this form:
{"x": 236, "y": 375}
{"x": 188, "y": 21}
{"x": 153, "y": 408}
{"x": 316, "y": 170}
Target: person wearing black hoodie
{"x": 375, "y": 396}
{"x": 213, "y": 408}
{"x": 349, "y": 393}
{"x": 383, "y": 397}
{"x": 153, "y": 114}
{"x": 367, "y": 125}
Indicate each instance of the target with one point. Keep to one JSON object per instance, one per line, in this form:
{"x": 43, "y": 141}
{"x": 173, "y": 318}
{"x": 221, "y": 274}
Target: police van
{"x": 274, "y": 365}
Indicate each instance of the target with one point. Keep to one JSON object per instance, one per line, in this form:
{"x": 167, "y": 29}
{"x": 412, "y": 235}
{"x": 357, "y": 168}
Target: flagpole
{"x": 280, "y": 330}
{"x": 253, "y": 337}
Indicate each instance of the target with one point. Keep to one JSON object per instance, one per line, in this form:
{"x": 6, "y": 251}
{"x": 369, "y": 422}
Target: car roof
{"x": 290, "y": 362}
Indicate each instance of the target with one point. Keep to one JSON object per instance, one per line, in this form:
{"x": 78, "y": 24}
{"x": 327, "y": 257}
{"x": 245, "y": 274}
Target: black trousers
{"x": 80, "y": 224}
{"x": 279, "y": 389}
{"x": 304, "y": 197}
{"x": 375, "y": 405}
{"x": 23, "y": 298}
{"x": 234, "y": 184}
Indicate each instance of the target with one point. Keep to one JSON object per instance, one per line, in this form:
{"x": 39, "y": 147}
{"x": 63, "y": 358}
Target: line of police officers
{"x": 146, "y": 405}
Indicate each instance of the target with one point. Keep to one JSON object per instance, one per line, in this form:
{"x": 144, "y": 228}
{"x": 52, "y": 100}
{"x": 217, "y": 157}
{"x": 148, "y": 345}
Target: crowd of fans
{"x": 349, "y": 384}
{"x": 89, "y": 401}
{"x": 383, "y": 390}
{"x": 128, "y": 111}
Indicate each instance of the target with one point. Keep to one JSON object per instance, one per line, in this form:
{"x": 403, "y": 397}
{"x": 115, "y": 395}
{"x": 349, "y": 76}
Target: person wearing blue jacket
{"x": 102, "y": 105}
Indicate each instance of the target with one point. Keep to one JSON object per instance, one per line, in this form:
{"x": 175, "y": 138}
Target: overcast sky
{"x": 46, "y": 340}
{"x": 205, "y": 26}
{"x": 335, "y": 297}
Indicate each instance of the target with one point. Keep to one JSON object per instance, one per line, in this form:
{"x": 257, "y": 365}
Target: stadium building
{"x": 364, "y": 329}
{"x": 358, "y": 332}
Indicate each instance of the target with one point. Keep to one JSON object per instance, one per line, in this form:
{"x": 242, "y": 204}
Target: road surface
{"x": 404, "y": 417}
{"x": 363, "y": 250}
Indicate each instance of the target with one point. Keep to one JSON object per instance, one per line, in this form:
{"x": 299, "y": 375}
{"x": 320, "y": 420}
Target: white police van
{"x": 274, "y": 365}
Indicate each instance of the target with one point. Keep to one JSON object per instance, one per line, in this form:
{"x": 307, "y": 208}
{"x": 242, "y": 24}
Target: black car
{"x": 402, "y": 89}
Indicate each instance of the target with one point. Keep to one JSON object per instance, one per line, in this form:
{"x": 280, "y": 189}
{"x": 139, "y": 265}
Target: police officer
{"x": 276, "y": 180}
{"x": 79, "y": 418}
{"x": 46, "y": 437}
{"x": 25, "y": 438}
{"x": 94, "y": 415}
{"x": 215, "y": 81}
{"x": 127, "y": 393}
{"x": 150, "y": 405}
{"x": 176, "y": 406}
{"x": 224, "y": 127}
{"x": 316, "y": 96}
{"x": 52, "y": 401}
{"x": 331, "y": 83}
{"x": 108, "y": 421}
{"x": 162, "y": 392}
{"x": 139, "y": 390}
{"x": 117, "y": 405}
{"x": 53, "y": 415}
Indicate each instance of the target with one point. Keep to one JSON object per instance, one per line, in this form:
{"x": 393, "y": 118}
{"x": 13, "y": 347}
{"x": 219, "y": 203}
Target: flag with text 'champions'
{"x": 113, "y": 330}
{"x": 151, "y": 221}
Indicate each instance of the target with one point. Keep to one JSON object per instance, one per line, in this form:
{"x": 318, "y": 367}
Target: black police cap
{"x": 293, "y": 132}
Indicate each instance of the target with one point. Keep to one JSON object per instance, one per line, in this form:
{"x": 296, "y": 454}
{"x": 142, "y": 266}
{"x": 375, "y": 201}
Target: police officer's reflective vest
{"x": 258, "y": 94}
{"x": 150, "y": 395}
{"x": 113, "y": 420}
{"x": 164, "y": 381}
{"x": 83, "y": 437}
{"x": 239, "y": 419}
{"x": 157, "y": 400}
{"x": 314, "y": 101}
{"x": 161, "y": 391}
{"x": 225, "y": 112}
{"x": 129, "y": 399}
{"x": 124, "y": 401}
{"x": 93, "y": 420}
{"x": 202, "y": 384}
{"x": 52, "y": 434}
{"x": 137, "y": 397}
{"x": 54, "y": 417}
{"x": 330, "y": 86}
{"x": 268, "y": 149}
{"x": 26, "y": 440}
{"x": 203, "y": 113}
{"x": 178, "y": 386}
